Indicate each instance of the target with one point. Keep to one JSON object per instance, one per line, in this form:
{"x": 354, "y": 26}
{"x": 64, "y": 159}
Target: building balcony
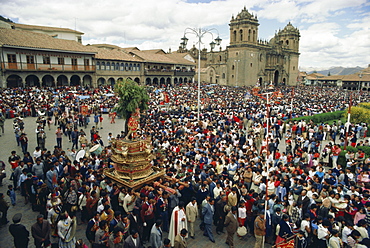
{"x": 45, "y": 67}
{"x": 158, "y": 72}
{"x": 185, "y": 73}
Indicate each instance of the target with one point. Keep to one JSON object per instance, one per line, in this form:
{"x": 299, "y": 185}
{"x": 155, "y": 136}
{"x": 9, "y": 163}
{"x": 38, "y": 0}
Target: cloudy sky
{"x": 333, "y": 32}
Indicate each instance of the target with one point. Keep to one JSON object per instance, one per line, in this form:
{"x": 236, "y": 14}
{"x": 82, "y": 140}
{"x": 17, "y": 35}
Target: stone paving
{"x": 8, "y": 144}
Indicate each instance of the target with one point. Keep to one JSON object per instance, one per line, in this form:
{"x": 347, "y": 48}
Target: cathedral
{"x": 248, "y": 60}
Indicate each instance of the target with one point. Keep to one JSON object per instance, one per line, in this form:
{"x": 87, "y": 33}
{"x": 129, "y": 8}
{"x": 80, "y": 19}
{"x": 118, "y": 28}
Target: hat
{"x": 17, "y": 217}
{"x": 29, "y": 175}
{"x": 318, "y": 200}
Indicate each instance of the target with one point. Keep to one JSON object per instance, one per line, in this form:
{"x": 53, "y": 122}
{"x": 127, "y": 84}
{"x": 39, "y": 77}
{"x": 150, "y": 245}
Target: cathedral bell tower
{"x": 243, "y": 28}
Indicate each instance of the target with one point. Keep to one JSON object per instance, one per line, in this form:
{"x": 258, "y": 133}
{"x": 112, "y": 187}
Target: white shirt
{"x": 322, "y": 232}
{"x": 345, "y": 233}
{"x": 242, "y": 213}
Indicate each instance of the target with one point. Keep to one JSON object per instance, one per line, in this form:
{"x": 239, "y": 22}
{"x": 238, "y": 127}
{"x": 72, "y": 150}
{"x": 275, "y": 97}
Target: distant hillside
{"x": 339, "y": 71}
{"x": 5, "y": 19}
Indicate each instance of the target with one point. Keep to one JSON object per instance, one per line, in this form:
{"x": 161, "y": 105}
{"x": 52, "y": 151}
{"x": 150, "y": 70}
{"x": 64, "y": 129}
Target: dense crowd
{"x": 221, "y": 170}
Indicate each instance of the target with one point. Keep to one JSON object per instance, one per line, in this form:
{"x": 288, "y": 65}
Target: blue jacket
{"x": 208, "y": 212}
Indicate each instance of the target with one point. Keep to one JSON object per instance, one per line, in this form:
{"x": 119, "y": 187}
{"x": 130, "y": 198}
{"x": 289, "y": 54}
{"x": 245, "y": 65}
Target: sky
{"x": 333, "y": 32}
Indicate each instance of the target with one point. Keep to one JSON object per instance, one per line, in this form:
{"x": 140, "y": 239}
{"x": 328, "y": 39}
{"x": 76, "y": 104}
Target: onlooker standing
{"x": 59, "y": 135}
{"x": 231, "y": 224}
{"x": 3, "y": 209}
{"x": 259, "y": 229}
{"x": 19, "y": 232}
{"x": 180, "y": 241}
{"x": 2, "y": 121}
{"x": 191, "y": 215}
{"x": 11, "y": 194}
{"x": 208, "y": 212}
{"x": 41, "y": 232}
{"x": 24, "y": 142}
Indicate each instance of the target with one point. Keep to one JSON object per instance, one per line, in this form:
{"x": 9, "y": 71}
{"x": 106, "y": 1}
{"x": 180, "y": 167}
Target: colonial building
{"x": 35, "y": 59}
{"x": 248, "y": 59}
{"x": 30, "y": 58}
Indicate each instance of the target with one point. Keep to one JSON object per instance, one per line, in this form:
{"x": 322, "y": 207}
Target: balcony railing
{"x": 184, "y": 73}
{"x": 45, "y": 67}
{"x": 154, "y": 72}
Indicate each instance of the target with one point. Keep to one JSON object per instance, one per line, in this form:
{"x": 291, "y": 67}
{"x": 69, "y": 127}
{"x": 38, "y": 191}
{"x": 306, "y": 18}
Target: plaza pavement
{"x": 8, "y": 144}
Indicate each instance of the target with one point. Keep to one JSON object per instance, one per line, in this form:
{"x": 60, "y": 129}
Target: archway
{"x": 185, "y": 80}
{"x": 162, "y": 81}
{"x": 137, "y": 80}
{"x": 180, "y": 81}
{"x": 175, "y": 81}
{"x": 48, "y": 81}
{"x": 75, "y": 80}
{"x": 260, "y": 81}
{"x": 155, "y": 81}
{"x": 276, "y": 77}
{"x": 120, "y": 79}
{"x": 32, "y": 81}
{"x": 284, "y": 81}
{"x": 101, "y": 81}
{"x": 87, "y": 80}
{"x": 168, "y": 81}
{"x": 111, "y": 81}
{"x": 129, "y": 78}
{"x": 148, "y": 81}
{"x": 14, "y": 81}
{"x": 62, "y": 80}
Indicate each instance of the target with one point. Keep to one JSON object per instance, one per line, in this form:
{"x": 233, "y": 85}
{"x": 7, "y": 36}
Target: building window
{"x": 249, "y": 35}
{"x": 98, "y": 65}
{"x": 12, "y": 58}
{"x": 108, "y": 66}
{"x": 30, "y": 59}
{"x": 117, "y": 66}
{"x": 234, "y": 36}
{"x": 232, "y": 67}
{"x": 113, "y": 66}
{"x": 46, "y": 60}
{"x": 287, "y": 42}
{"x": 103, "y": 66}
{"x": 60, "y": 61}
{"x": 74, "y": 61}
{"x": 130, "y": 67}
{"x": 138, "y": 67}
{"x": 126, "y": 67}
{"x": 122, "y": 66}
{"x": 293, "y": 68}
{"x": 261, "y": 57}
{"x": 134, "y": 68}
{"x": 223, "y": 75}
{"x": 241, "y": 34}
{"x": 86, "y": 62}
{"x": 220, "y": 58}
{"x": 254, "y": 35}
{"x": 251, "y": 64}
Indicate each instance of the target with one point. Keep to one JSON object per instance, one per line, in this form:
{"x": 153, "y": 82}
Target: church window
{"x": 220, "y": 58}
{"x": 254, "y": 35}
{"x": 232, "y": 67}
{"x": 249, "y": 35}
{"x": 241, "y": 34}
{"x": 234, "y": 36}
{"x": 223, "y": 75}
{"x": 287, "y": 42}
{"x": 251, "y": 64}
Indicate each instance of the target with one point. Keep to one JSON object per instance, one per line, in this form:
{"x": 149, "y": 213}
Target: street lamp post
{"x": 199, "y": 33}
{"x": 236, "y": 74}
{"x": 359, "y": 86}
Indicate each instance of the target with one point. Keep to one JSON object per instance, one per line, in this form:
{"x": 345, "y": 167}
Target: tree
{"x": 329, "y": 73}
{"x": 131, "y": 96}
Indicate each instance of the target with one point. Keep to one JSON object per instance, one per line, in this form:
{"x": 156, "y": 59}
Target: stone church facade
{"x": 248, "y": 60}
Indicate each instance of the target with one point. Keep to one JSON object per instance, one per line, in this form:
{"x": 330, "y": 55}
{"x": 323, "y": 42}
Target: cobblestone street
{"x": 8, "y": 144}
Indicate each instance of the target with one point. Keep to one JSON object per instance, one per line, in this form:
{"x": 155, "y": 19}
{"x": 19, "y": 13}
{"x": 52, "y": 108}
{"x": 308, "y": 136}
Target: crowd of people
{"x": 242, "y": 167}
